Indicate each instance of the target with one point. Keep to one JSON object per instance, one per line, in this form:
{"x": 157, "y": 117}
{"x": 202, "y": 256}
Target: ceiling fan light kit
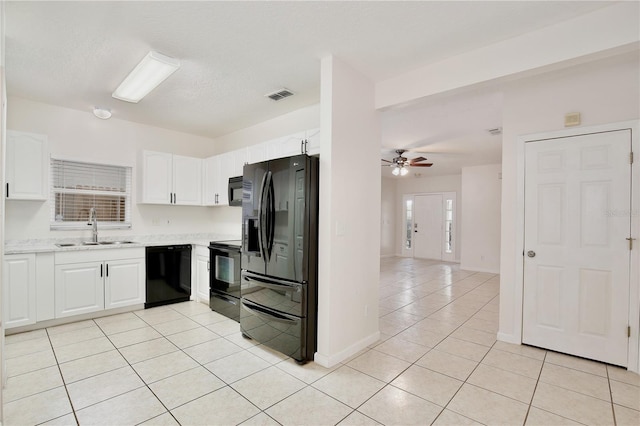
{"x": 400, "y": 163}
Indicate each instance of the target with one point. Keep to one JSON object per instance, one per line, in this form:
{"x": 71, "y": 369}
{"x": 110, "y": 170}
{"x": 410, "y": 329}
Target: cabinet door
{"x": 187, "y": 180}
{"x": 19, "y": 290}
{"x": 156, "y": 179}
{"x": 313, "y": 141}
{"x": 257, "y": 153}
{"x": 27, "y": 166}
{"x": 202, "y": 278}
{"x": 227, "y": 170}
{"x": 79, "y": 288}
{"x": 211, "y": 180}
{"x": 292, "y": 145}
{"x": 124, "y": 283}
{"x": 240, "y": 157}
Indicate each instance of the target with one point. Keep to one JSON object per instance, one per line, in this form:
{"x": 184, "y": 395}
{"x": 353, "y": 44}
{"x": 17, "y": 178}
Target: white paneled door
{"x": 576, "y": 251}
{"x": 428, "y": 226}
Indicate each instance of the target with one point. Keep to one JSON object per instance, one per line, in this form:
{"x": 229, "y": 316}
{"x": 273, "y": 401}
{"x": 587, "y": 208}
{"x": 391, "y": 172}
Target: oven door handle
{"x": 268, "y": 315}
{"x": 231, "y": 300}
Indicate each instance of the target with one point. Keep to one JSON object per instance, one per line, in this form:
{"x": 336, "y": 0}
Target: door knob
{"x": 531, "y": 253}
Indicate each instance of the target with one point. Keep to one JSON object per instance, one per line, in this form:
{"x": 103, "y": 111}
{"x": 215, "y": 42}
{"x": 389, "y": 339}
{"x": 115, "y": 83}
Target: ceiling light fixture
{"x": 399, "y": 170}
{"x": 146, "y": 76}
{"x": 103, "y": 113}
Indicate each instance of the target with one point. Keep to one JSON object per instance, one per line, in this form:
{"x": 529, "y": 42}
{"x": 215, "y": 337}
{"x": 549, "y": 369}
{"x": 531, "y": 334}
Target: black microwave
{"x": 235, "y": 191}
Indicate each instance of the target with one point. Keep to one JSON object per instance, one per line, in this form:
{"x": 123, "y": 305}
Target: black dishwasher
{"x": 168, "y": 275}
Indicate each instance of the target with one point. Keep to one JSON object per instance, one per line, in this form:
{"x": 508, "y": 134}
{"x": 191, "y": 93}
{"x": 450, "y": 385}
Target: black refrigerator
{"x": 279, "y": 261}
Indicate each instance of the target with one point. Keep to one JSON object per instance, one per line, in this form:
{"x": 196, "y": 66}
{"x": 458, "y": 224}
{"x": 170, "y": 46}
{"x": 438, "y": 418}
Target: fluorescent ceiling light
{"x": 146, "y": 76}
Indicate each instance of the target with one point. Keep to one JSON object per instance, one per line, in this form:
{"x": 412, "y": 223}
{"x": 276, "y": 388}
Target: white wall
{"x": 302, "y": 119}
{"x": 80, "y": 135}
{"x": 412, "y": 185}
{"x": 388, "y": 217}
{"x": 349, "y": 241}
{"x": 608, "y": 29}
{"x": 603, "y": 92}
{"x": 481, "y": 193}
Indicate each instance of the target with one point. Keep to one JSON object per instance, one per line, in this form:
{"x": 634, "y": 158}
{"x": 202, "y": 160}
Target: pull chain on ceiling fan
{"x": 400, "y": 163}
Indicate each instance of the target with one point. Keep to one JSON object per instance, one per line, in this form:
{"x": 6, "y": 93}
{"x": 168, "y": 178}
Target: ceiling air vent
{"x": 279, "y": 94}
{"x": 496, "y": 131}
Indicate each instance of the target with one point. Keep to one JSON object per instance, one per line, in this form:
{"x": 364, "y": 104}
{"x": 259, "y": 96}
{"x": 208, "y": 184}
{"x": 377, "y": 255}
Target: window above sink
{"x": 77, "y": 187}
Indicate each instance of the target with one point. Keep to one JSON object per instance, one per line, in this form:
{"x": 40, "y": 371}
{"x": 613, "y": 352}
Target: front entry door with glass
{"x": 428, "y": 226}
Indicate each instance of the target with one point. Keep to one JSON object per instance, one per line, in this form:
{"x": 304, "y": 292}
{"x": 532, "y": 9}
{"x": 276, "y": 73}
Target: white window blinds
{"x": 76, "y": 187}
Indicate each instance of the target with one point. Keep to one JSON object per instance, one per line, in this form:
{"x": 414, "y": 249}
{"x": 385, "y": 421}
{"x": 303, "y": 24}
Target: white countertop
{"x": 49, "y": 245}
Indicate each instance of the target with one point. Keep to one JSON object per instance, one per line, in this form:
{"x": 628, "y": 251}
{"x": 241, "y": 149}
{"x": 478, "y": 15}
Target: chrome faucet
{"x": 93, "y": 219}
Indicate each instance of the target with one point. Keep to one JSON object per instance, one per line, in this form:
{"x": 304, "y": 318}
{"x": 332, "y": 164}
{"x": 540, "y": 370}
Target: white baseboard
{"x": 387, "y": 255}
{"x": 329, "y": 361}
{"x": 479, "y": 269}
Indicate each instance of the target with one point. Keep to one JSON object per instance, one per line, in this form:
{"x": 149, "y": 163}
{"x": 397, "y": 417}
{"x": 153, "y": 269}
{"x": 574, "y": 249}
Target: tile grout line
{"x": 203, "y": 366}
{"x": 613, "y": 408}
{"x": 535, "y": 388}
{"x": 137, "y": 374}
{"x": 64, "y": 382}
{"x": 388, "y": 383}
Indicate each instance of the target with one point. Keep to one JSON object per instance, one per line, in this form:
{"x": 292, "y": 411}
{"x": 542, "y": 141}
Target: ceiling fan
{"x": 400, "y": 163}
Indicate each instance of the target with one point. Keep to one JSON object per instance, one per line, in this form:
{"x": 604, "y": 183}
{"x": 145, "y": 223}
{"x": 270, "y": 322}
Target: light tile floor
{"x": 437, "y": 362}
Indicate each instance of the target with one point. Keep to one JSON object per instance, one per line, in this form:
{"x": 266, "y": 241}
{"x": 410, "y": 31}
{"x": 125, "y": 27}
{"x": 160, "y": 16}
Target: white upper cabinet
{"x": 287, "y": 146}
{"x": 170, "y": 179}
{"x": 27, "y": 166}
{"x": 218, "y": 170}
{"x": 257, "y": 153}
{"x": 187, "y": 181}
{"x": 156, "y": 177}
{"x": 312, "y": 144}
{"x": 240, "y": 158}
{"x": 211, "y": 180}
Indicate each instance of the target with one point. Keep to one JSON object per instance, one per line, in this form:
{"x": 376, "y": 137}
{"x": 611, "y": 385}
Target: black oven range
{"x": 224, "y": 278}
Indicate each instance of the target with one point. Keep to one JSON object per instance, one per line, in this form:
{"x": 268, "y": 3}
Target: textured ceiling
{"x": 74, "y": 54}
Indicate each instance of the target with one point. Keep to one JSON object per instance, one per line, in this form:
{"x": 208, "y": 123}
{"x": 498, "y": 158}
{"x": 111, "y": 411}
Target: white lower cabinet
{"x": 124, "y": 283}
{"x": 202, "y": 274}
{"x": 95, "y": 280}
{"x": 19, "y": 290}
{"x": 79, "y": 288}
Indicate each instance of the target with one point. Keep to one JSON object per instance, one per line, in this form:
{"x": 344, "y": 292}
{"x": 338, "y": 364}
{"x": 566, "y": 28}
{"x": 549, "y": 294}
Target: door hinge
{"x": 630, "y": 243}
{"x": 628, "y": 331}
{"x": 631, "y": 157}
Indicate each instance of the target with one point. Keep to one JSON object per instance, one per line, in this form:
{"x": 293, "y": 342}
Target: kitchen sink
{"x": 92, "y": 243}
{"x": 116, "y": 242}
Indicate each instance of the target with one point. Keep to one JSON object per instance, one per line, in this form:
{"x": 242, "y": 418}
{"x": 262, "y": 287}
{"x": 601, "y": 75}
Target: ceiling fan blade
{"x": 422, "y": 165}
{"x": 386, "y": 161}
{"x": 417, "y": 160}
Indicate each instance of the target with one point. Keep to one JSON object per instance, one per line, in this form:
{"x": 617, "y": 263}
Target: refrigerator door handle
{"x": 271, "y": 215}
{"x": 270, "y": 282}
{"x": 268, "y": 315}
{"x": 261, "y": 216}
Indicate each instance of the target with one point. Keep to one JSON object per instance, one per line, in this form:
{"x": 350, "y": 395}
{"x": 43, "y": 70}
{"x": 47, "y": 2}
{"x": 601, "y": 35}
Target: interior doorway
{"x": 428, "y": 228}
{"x": 577, "y": 245}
